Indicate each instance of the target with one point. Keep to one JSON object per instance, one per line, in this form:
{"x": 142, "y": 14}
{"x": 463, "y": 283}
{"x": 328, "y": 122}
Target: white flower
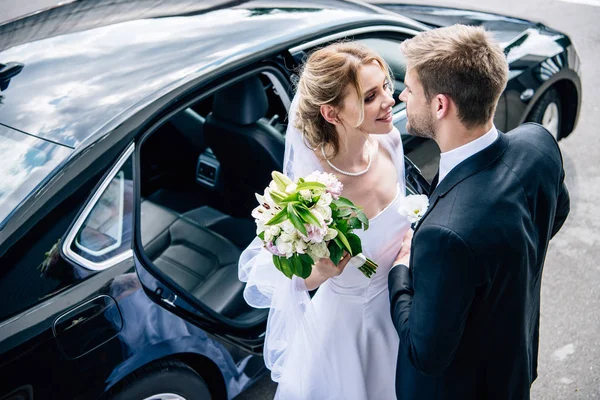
{"x": 317, "y": 251}
{"x": 323, "y": 214}
{"x": 284, "y": 246}
{"x": 260, "y": 226}
{"x": 300, "y": 246}
{"x": 334, "y": 186}
{"x": 271, "y": 232}
{"x": 287, "y": 227}
{"x": 291, "y": 188}
{"x": 331, "y": 234}
{"x": 325, "y": 200}
{"x": 414, "y": 207}
{"x": 315, "y": 233}
{"x": 306, "y": 195}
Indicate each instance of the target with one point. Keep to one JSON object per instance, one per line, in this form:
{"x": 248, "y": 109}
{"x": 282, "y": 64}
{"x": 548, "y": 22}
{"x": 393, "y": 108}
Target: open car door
{"x": 192, "y": 271}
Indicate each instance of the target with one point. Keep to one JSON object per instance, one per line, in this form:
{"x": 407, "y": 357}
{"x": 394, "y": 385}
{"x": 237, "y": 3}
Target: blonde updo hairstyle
{"x": 323, "y": 81}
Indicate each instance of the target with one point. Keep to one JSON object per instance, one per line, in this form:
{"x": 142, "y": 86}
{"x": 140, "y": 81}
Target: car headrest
{"x": 242, "y": 103}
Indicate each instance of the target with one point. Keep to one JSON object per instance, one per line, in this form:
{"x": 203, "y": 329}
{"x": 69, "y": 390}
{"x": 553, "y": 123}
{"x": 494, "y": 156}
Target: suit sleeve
{"x": 563, "y": 206}
{"x": 431, "y": 301}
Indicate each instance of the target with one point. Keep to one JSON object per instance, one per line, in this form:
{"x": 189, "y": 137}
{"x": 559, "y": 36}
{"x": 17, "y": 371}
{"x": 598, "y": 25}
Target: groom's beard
{"x": 421, "y": 125}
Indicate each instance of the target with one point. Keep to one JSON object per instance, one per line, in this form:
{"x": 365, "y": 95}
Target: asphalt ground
{"x": 569, "y": 360}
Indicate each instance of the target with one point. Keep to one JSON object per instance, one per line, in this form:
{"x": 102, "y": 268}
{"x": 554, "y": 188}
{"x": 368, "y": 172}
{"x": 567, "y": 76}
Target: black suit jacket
{"x": 467, "y": 311}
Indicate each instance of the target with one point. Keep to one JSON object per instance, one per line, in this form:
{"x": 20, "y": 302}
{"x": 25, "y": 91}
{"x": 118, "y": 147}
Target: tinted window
{"x": 106, "y": 230}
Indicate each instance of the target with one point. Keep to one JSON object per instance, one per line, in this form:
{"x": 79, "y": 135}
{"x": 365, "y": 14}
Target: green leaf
{"x": 277, "y": 197}
{"x": 278, "y": 218}
{"x": 355, "y": 243}
{"x": 295, "y": 219}
{"x": 310, "y": 185}
{"x": 363, "y": 218}
{"x": 262, "y": 236}
{"x": 338, "y": 242}
{"x": 292, "y": 198}
{"x": 286, "y": 265}
{"x": 335, "y": 252}
{"x": 342, "y": 201}
{"x": 354, "y": 223}
{"x": 301, "y": 268}
{"x": 342, "y": 225}
{"x": 307, "y": 216}
{"x": 344, "y": 212}
{"x": 280, "y": 265}
{"x": 307, "y": 259}
{"x": 344, "y": 241}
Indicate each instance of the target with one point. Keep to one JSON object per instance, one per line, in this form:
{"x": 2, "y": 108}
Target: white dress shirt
{"x": 452, "y": 158}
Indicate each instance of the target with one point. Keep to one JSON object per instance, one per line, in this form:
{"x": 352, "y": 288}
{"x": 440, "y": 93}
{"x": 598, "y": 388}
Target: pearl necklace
{"x": 351, "y": 173}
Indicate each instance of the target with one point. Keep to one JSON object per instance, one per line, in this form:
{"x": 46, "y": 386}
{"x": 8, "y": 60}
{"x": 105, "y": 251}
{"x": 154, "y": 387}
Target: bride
{"x": 341, "y": 344}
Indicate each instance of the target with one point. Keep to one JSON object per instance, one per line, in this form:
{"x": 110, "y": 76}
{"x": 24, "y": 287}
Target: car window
{"x": 103, "y": 231}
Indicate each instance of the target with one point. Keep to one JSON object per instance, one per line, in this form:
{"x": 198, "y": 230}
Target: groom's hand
{"x": 403, "y": 256}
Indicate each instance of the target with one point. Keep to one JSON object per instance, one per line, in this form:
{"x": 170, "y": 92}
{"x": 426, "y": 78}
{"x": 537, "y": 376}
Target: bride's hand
{"x": 325, "y": 269}
{"x": 403, "y": 256}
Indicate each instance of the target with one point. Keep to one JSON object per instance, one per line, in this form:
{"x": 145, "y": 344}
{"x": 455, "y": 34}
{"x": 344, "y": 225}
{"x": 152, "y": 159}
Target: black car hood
{"x": 505, "y": 29}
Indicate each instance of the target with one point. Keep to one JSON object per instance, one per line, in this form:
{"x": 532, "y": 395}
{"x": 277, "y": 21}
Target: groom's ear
{"x": 330, "y": 114}
{"x": 442, "y": 105}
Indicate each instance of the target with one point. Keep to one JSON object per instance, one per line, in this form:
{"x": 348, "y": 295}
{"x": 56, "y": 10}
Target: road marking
{"x": 595, "y": 3}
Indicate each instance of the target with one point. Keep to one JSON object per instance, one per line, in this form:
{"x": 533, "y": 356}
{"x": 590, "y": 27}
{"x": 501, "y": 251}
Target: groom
{"x": 466, "y": 300}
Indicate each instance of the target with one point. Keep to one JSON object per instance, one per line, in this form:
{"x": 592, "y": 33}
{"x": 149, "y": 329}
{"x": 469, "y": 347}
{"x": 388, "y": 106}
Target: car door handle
{"x": 88, "y": 326}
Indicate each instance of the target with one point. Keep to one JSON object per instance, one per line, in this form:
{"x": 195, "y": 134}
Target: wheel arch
{"x": 208, "y": 370}
{"x": 568, "y": 85}
{"x": 569, "y": 109}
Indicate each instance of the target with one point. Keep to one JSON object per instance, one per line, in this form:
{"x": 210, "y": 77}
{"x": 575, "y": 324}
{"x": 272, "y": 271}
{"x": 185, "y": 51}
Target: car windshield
{"x": 25, "y": 161}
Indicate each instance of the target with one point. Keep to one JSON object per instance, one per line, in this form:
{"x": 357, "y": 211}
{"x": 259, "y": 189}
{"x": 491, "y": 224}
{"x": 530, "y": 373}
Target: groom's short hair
{"x": 462, "y": 62}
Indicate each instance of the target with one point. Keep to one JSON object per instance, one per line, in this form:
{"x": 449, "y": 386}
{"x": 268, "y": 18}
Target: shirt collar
{"x": 452, "y": 158}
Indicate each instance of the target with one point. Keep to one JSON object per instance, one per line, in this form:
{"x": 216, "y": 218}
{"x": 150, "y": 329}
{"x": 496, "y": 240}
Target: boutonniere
{"x": 414, "y": 207}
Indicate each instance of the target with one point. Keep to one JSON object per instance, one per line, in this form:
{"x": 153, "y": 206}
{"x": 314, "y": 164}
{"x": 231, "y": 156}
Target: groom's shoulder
{"x": 532, "y": 142}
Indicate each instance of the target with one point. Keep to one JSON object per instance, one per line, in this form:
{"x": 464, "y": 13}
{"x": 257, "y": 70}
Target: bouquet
{"x": 301, "y": 222}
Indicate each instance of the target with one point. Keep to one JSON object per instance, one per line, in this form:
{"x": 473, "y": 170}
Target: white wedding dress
{"x": 341, "y": 344}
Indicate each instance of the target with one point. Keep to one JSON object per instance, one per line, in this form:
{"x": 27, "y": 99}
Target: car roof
{"x": 87, "y": 62}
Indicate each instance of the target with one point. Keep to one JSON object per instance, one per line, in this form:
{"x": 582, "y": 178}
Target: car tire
{"x": 547, "y": 112}
{"x": 164, "y": 380}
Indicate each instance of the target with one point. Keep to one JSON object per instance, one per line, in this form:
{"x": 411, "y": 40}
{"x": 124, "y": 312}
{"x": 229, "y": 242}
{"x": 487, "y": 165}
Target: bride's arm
{"x": 325, "y": 269}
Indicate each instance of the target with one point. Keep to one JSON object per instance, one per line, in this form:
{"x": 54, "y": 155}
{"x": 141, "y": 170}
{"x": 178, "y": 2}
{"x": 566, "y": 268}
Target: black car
{"x": 133, "y": 136}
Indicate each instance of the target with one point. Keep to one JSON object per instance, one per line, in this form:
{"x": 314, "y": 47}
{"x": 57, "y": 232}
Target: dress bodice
{"x": 381, "y": 243}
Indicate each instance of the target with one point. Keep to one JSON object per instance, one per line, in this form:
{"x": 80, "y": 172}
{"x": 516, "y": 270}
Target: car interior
{"x": 199, "y": 173}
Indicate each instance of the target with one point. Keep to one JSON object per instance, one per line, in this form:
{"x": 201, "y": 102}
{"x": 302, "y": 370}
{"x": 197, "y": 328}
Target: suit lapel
{"x": 434, "y": 182}
{"x": 472, "y": 165}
